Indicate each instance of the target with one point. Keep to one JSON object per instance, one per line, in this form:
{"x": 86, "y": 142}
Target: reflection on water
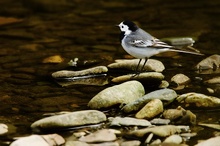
{"x": 33, "y": 30}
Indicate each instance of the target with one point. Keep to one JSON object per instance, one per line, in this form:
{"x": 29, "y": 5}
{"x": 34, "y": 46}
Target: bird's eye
{"x": 122, "y": 26}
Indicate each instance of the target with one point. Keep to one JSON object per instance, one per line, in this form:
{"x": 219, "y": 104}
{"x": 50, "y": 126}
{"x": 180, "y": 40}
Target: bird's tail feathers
{"x": 183, "y": 51}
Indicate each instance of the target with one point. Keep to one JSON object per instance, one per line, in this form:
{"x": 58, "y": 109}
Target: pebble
{"x": 211, "y": 62}
{"x": 78, "y": 118}
{"x": 149, "y": 77}
{"x": 180, "y": 80}
{"x": 3, "y": 129}
{"x": 104, "y": 135}
{"x": 131, "y": 143}
{"x": 128, "y": 121}
{"x": 159, "y": 121}
{"x": 180, "y": 116}
{"x": 70, "y": 74}
{"x": 76, "y": 143}
{"x": 150, "y": 110}
{"x": 173, "y": 139}
{"x": 119, "y": 94}
{"x": 198, "y": 99}
{"x": 166, "y": 95}
{"x": 39, "y": 140}
{"x": 215, "y": 80}
{"x": 151, "y": 65}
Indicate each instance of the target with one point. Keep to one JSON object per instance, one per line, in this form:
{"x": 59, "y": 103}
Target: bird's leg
{"x": 144, "y": 64}
{"x": 136, "y": 70}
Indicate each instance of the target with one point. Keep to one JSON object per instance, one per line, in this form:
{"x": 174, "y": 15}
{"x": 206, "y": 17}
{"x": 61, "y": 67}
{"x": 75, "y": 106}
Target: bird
{"x": 142, "y": 45}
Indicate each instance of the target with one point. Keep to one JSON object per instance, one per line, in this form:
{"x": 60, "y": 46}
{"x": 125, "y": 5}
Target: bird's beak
{"x": 117, "y": 25}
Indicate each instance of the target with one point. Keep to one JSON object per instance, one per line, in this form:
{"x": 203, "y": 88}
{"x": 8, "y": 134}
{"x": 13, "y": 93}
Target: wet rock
{"x": 166, "y": 95}
{"x": 151, "y": 109}
{"x": 215, "y": 80}
{"x": 105, "y": 144}
{"x": 199, "y": 100}
{"x": 159, "y": 121}
{"x": 70, "y": 119}
{"x": 180, "y": 116}
{"x": 173, "y": 139}
{"x": 149, "y": 77}
{"x": 164, "y": 84}
{"x": 180, "y": 81}
{"x": 214, "y": 141}
{"x": 39, "y": 140}
{"x": 53, "y": 59}
{"x": 128, "y": 121}
{"x": 104, "y": 135}
{"x": 3, "y": 129}
{"x": 131, "y": 64}
{"x": 76, "y": 143}
{"x": 124, "y": 93}
{"x": 71, "y": 74}
{"x": 131, "y": 143}
{"x": 162, "y": 131}
{"x": 214, "y": 126}
{"x": 211, "y": 62}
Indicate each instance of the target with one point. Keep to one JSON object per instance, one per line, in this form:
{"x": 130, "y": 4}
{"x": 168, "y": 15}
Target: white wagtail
{"x": 141, "y": 44}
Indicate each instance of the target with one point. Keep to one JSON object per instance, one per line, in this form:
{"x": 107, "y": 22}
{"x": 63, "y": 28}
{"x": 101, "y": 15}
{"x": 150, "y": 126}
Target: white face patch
{"x": 124, "y": 28}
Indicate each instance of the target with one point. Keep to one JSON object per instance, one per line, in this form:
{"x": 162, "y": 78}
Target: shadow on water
{"x": 33, "y": 30}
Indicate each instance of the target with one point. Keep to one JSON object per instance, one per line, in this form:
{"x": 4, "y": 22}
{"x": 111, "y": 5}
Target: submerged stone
{"x": 119, "y": 94}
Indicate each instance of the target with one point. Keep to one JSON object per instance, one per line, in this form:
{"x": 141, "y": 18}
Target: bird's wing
{"x": 154, "y": 43}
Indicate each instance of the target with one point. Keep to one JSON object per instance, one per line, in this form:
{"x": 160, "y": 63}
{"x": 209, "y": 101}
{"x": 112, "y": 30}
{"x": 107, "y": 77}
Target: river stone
{"x": 173, "y": 139}
{"x": 180, "y": 79}
{"x": 150, "y": 77}
{"x": 131, "y": 143}
{"x": 214, "y": 141}
{"x": 128, "y": 121}
{"x": 69, "y": 74}
{"x": 151, "y": 109}
{"x": 200, "y": 100}
{"x": 104, "y": 135}
{"x": 215, "y": 80}
{"x": 211, "y": 62}
{"x": 39, "y": 140}
{"x": 166, "y": 95}
{"x": 162, "y": 131}
{"x": 3, "y": 129}
{"x": 76, "y": 143}
{"x": 123, "y": 93}
{"x": 70, "y": 119}
{"x": 180, "y": 116}
{"x": 151, "y": 65}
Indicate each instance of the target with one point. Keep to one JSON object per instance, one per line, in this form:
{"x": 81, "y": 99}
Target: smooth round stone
{"x": 69, "y": 74}
{"x": 119, "y": 94}
{"x": 173, "y": 139}
{"x": 3, "y": 129}
{"x": 200, "y": 100}
{"x": 78, "y": 118}
{"x": 131, "y": 143}
{"x": 214, "y": 141}
{"x": 152, "y": 77}
{"x": 151, "y": 109}
{"x": 131, "y": 64}
{"x": 76, "y": 143}
{"x": 166, "y": 95}
{"x": 180, "y": 79}
{"x": 215, "y": 80}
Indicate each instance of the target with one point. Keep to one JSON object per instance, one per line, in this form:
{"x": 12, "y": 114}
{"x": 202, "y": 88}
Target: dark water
{"x": 85, "y": 29}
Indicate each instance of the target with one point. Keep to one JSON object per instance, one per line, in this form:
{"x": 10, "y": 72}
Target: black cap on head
{"x": 132, "y": 26}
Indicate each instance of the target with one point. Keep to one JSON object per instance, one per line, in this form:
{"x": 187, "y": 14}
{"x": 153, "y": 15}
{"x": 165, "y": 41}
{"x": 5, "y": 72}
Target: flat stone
{"x": 128, "y": 121}
{"x": 211, "y": 62}
{"x": 76, "y": 143}
{"x": 151, "y": 77}
{"x": 103, "y": 135}
{"x": 69, "y": 74}
{"x": 131, "y": 143}
{"x": 3, "y": 129}
{"x": 214, "y": 141}
{"x": 173, "y": 139}
{"x": 123, "y": 93}
{"x": 151, "y": 65}
{"x": 70, "y": 119}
